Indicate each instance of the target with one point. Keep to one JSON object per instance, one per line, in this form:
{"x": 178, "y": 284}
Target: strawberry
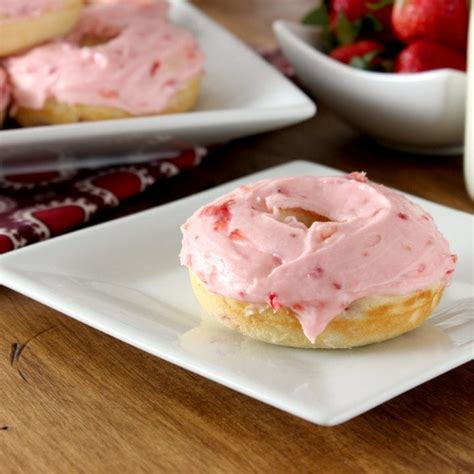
{"x": 356, "y": 9}
{"x": 425, "y": 56}
{"x": 353, "y": 9}
{"x": 441, "y": 21}
{"x": 361, "y": 54}
{"x": 344, "y": 21}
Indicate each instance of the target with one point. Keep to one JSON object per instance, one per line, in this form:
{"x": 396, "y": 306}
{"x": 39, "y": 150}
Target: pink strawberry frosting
{"x": 4, "y": 91}
{"x": 139, "y": 70}
{"x": 18, "y": 9}
{"x": 377, "y": 242}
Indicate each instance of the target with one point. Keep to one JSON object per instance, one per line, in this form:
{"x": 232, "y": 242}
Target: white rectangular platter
{"x": 124, "y": 279}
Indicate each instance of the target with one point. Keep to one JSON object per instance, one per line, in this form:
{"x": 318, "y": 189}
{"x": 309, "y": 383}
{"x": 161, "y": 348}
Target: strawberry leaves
{"x": 378, "y": 61}
{"x": 320, "y": 17}
{"x": 347, "y": 31}
{"x": 364, "y": 62}
{"x": 368, "y": 55}
{"x": 317, "y": 17}
{"x": 343, "y": 23}
{"x": 378, "y": 5}
{"x": 337, "y": 29}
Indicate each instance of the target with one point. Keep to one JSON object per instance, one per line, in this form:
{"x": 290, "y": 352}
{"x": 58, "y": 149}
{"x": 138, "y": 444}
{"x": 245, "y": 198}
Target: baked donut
{"x": 27, "y": 23}
{"x": 316, "y": 262}
{"x": 122, "y": 60}
{"x": 4, "y": 95}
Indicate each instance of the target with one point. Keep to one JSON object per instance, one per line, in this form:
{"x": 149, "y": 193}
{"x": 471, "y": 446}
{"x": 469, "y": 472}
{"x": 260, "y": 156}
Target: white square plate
{"x": 241, "y": 95}
{"x": 124, "y": 278}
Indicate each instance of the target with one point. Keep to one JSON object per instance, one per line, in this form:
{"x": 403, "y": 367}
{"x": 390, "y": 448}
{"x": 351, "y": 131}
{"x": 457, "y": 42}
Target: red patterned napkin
{"x": 38, "y": 206}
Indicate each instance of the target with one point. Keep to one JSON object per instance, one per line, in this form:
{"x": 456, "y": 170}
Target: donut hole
{"x": 91, "y": 40}
{"x": 307, "y": 218}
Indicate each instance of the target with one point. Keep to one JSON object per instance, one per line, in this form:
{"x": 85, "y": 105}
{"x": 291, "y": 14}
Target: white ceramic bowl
{"x": 421, "y": 112}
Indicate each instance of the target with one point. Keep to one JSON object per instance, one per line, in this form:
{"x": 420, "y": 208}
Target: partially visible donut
{"x": 4, "y": 95}
{"x": 54, "y": 112}
{"x": 27, "y": 23}
{"x": 313, "y": 262}
{"x": 123, "y": 59}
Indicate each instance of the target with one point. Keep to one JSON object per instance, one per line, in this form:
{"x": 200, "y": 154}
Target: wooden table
{"x": 76, "y": 400}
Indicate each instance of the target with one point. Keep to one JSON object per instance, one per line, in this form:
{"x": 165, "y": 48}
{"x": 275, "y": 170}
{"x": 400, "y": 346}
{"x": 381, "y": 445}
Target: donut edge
{"x": 56, "y": 113}
{"x": 367, "y": 320}
{"x": 25, "y": 33}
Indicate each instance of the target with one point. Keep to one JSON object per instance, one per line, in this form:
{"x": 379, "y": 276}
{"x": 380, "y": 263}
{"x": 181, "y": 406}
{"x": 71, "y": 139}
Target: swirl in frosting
{"x": 371, "y": 241}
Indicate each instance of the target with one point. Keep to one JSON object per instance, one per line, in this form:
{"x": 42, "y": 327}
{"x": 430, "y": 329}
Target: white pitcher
{"x": 469, "y": 133}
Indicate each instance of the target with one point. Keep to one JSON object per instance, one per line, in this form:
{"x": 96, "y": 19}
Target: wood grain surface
{"x": 76, "y": 400}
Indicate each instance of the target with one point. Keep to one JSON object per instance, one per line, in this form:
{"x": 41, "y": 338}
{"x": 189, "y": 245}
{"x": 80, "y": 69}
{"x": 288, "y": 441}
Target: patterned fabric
{"x": 38, "y": 206}
{"x": 276, "y": 59}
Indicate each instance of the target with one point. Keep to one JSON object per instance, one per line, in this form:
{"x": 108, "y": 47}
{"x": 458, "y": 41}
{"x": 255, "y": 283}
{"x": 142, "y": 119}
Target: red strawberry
{"x": 356, "y": 9}
{"x": 441, "y": 21}
{"x": 344, "y": 21}
{"x": 353, "y": 9}
{"x": 425, "y": 56}
{"x": 360, "y": 50}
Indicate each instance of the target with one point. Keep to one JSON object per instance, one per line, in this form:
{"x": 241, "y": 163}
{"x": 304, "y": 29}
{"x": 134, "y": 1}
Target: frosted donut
{"x": 27, "y": 23}
{"x": 316, "y": 262}
{"x": 4, "y": 95}
{"x": 122, "y": 60}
